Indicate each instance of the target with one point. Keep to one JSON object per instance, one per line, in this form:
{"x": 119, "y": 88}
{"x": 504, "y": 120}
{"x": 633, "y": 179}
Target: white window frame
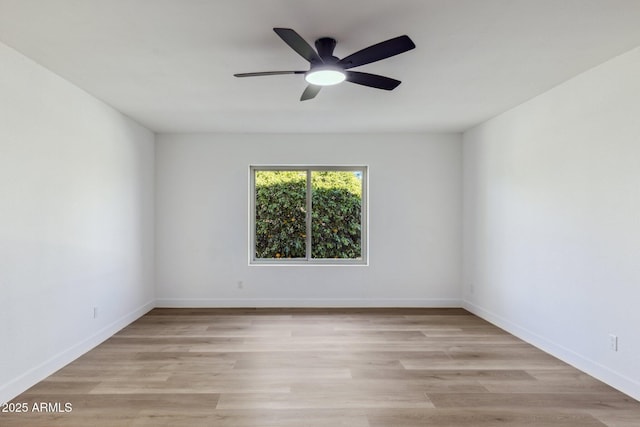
{"x": 364, "y": 216}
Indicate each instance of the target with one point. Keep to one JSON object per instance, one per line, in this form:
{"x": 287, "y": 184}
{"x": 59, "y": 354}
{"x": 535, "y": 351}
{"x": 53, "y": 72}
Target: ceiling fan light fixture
{"x": 326, "y": 76}
{"x": 326, "y": 69}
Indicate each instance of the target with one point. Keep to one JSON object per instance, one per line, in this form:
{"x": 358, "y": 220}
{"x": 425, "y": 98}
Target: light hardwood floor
{"x": 324, "y": 368}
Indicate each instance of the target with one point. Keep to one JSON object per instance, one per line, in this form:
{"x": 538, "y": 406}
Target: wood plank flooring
{"x": 320, "y": 367}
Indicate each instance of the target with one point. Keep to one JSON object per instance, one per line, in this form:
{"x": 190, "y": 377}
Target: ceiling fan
{"x": 326, "y": 69}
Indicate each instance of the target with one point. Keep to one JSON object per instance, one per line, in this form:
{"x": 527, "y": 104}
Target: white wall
{"x": 76, "y": 222}
{"x": 552, "y": 221}
{"x": 414, "y": 221}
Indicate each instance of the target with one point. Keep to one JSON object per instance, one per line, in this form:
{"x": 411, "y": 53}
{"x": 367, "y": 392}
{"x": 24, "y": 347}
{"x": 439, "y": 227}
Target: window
{"x": 308, "y": 215}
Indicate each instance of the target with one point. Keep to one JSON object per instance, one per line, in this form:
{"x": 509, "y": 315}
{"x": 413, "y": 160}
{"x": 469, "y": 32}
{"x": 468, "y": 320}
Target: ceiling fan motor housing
{"x": 325, "y": 47}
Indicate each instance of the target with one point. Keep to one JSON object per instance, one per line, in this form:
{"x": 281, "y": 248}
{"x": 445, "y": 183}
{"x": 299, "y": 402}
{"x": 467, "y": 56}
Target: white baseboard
{"x": 624, "y": 384}
{"x": 306, "y": 302}
{"x": 28, "y": 379}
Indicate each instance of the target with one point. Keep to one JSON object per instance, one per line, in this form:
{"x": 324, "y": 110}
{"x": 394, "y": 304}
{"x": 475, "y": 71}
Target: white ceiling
{"x": 169, "y": 64}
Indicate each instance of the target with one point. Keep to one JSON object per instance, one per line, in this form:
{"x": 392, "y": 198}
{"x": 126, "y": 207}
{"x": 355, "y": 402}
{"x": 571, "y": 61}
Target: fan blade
{"x": 310, "y": 92}
{"x": 372, "y": 80}
{"x": 378, "y": 52}
{"x": 268, "y": 73}
{"x": 297, "y": 43}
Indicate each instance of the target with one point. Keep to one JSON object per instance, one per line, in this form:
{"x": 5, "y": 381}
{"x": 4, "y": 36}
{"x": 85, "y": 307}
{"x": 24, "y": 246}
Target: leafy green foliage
{"x": 281, "y": 214}
{"x": 330, "y": 180}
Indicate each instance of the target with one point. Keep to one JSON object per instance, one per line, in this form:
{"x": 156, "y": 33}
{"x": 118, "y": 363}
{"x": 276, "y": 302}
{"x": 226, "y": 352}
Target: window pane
{"x": 280, "y": 214}
{"x": 336, "y": 220}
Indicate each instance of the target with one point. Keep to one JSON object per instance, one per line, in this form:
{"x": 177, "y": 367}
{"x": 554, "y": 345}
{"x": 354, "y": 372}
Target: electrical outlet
{"x": 240, "y": 284}
{"x": 95, "y": 312}
{"x": 613, "y": 342}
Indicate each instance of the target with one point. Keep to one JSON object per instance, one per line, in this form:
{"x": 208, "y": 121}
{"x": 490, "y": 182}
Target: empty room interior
{"x": 197, "y": 229}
